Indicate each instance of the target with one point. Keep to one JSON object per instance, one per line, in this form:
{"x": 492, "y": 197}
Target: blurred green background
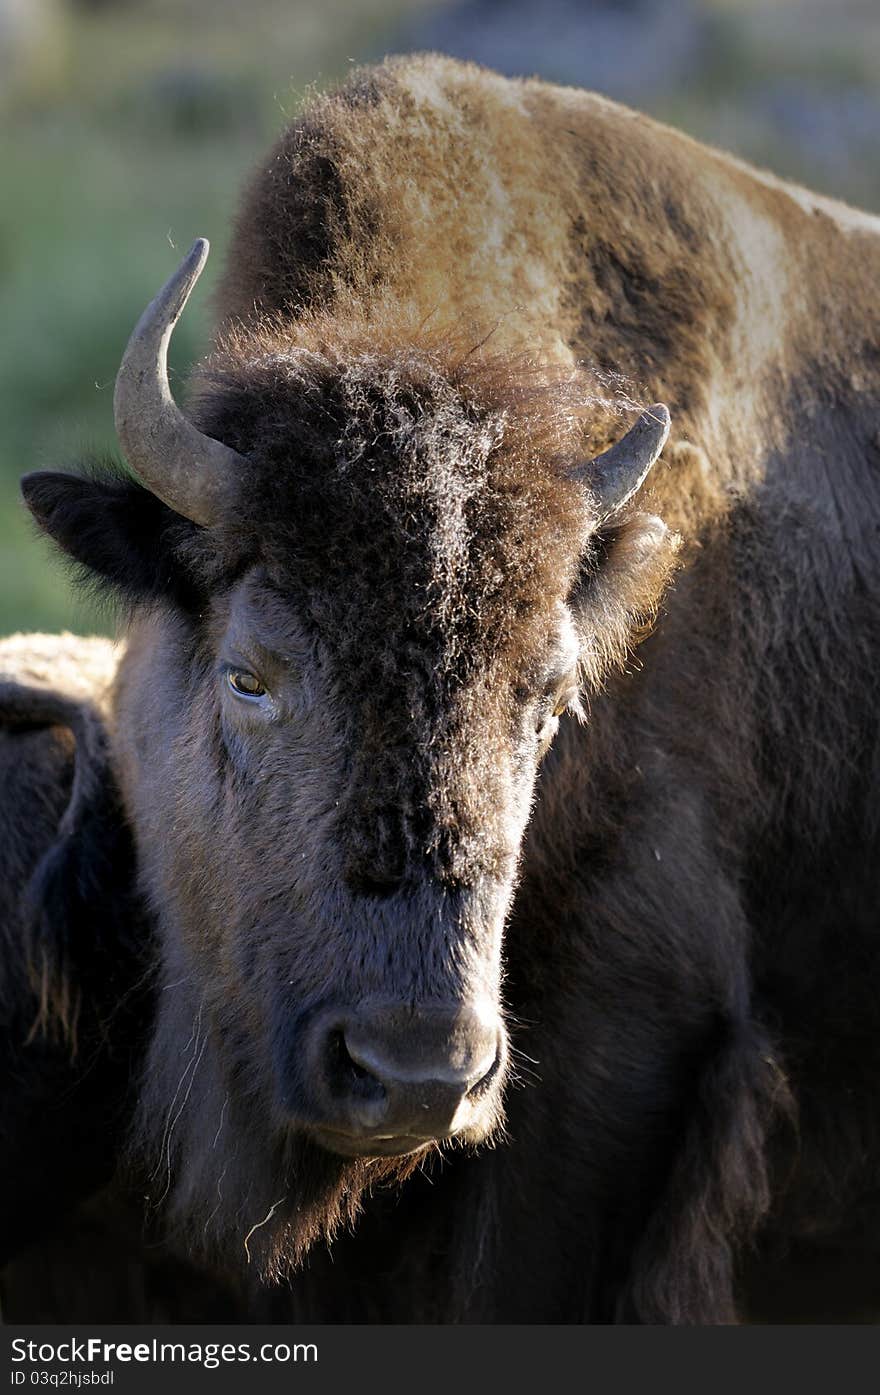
{"x": 126, "y": 125}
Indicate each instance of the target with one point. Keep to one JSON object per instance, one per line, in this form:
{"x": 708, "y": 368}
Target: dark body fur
{"x": 691, "y": 953}
{"x": 73, "y": 1016}
{"x": 76, "y": 1003}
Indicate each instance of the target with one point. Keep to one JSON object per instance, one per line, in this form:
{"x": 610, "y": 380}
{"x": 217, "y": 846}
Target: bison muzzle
{"x": 392, "y": 1079}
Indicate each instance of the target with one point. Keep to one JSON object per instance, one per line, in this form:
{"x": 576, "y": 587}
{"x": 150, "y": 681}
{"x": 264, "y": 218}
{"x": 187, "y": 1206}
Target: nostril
{"x": 402, "y": 1071}
{"x": 348, "y": 1076}
{"x": 358, "y": 1071}
{"x": 480, "y": 1086}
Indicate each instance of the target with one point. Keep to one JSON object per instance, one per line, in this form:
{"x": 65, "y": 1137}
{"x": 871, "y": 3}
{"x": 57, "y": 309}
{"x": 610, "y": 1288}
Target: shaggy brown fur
{"x": 70, "y": 1011}
{"x": 444, "y": 290}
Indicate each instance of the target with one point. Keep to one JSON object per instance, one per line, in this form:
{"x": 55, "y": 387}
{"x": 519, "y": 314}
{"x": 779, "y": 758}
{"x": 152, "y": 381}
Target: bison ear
{"x": 114, "y": 528}
{"x": 620, "y": 591}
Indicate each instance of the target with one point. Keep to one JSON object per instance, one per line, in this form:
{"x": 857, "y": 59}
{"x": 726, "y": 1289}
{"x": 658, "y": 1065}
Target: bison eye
{"x": 542, "y": 725}
{"x": 245, "y": 684}
{"x": 563, "y": 699}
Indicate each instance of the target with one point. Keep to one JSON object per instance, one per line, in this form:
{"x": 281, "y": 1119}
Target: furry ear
{"x": 620, "y": 591}
{"x": 115, "y": 528}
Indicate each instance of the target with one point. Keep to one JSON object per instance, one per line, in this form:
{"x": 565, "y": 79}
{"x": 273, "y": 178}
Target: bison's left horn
{"x": 192, "y": 473}
{"x": 615, "y": 475}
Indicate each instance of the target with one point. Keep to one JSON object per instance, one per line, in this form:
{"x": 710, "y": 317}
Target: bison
{"x": 520, "y": 1047}
{"x": 71, "y": 1019}
{"x": 76, "y": 1002}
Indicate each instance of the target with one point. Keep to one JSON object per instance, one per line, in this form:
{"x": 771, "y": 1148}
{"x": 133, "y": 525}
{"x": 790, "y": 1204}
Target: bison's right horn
{"x": 191, "y": 473}
{"x": 614, "y": 476}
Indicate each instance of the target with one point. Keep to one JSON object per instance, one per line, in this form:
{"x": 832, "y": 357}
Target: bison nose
{"x": 395, "y": 1078}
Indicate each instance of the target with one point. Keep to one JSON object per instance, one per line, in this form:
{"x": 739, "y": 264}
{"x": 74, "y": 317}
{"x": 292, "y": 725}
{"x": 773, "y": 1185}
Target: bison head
{"x": 355, "y": 626}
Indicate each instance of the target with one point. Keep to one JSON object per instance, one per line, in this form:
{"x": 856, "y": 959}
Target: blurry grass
{"x": 81, "y": 275}
{"x": 86, "y": 248}
{"x": 794, "y": 86}
{"x": 157, "y": 112}
{"x": 138, "y": 134}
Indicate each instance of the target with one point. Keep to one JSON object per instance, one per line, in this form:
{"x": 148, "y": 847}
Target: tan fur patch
{"x": 578, "y": 233}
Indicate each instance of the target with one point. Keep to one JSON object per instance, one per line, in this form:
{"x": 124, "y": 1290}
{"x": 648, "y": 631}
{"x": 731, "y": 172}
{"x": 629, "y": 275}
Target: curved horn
{"x": 191, "y": 473}
{"x": 615, "y": 475}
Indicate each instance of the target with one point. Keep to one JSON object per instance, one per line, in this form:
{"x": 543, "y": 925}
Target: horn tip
{"x": 198, "y": 253}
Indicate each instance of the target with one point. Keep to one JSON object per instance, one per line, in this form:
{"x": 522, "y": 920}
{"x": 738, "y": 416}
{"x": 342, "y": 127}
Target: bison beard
{"x": 232, "y": 1190}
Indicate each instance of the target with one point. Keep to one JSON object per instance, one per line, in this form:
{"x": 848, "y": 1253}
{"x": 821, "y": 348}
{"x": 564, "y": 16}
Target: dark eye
{"x": 561, "y": 700}
{"x": 245, "y": 684}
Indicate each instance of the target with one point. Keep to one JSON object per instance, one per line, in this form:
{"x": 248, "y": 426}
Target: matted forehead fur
{"x": 423, "y": 463}
{"x": 418, "y": 467}
{"x": 423, "y": 484}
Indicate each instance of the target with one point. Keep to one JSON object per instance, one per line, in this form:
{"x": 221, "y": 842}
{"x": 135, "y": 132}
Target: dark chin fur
{"x": 221, "y": 1181}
